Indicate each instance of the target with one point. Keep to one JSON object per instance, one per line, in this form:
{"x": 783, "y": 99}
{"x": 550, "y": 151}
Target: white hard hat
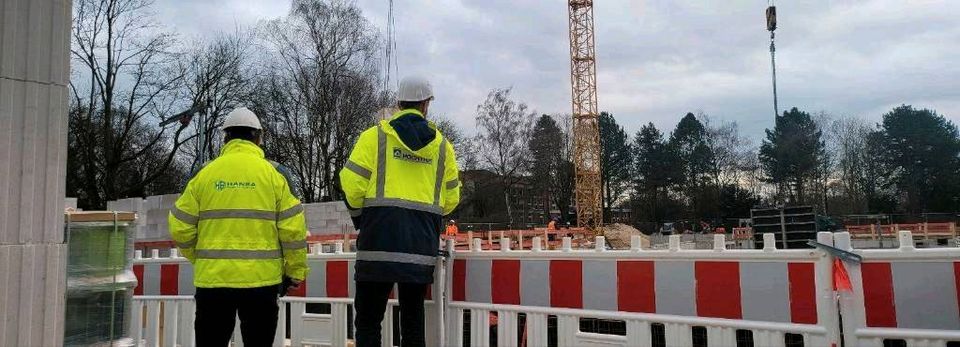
{"x": 242, "y": 117}
{"x": 414, "y": 88}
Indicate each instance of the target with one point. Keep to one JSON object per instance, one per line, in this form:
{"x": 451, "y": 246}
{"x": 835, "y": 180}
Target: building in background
{"x": 482, "y": 201}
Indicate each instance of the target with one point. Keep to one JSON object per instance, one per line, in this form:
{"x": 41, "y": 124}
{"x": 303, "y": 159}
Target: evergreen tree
{"x": 616, "y": 157}
{"x": 654, "y": 172}
{"x": 921, "y": 150}
{"x": 689, "y": 142}
{"x": 545, "y": 150}
{"x": 791, "y": 155}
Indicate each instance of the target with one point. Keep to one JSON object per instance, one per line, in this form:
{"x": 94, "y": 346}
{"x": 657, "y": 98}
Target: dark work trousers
{"x": 217, "y": 309}
{"x": 371, "y": 303}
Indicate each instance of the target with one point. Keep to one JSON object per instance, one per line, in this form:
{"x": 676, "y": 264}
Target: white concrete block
{"x": 167, "y": 201}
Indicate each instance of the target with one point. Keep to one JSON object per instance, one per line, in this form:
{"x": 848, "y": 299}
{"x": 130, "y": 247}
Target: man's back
{"x": 243, "y": 211}
{"x": 403, "y": 175}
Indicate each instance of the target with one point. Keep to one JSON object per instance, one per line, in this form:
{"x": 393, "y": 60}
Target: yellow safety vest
{"x": 238, "y": 222}
{"x": 399, "y": 195}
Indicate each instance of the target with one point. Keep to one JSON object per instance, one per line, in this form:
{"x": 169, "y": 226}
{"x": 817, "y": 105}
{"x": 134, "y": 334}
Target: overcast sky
{"x": 657, "y": 60}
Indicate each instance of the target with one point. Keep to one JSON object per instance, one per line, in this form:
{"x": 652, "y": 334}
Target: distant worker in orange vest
{"x": 452, "y": 229}
{"x": 552, "y": 225}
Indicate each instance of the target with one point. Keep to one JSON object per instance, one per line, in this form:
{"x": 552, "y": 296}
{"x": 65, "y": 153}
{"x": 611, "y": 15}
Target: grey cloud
{"x": 659, "y": 59}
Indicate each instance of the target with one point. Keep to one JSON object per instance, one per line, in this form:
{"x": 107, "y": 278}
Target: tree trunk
{"x": 506, "y": 199}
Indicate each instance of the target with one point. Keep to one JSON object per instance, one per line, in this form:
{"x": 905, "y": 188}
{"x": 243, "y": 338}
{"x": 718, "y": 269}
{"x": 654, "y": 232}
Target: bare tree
{"x": 219, "y": 76}
{"x": 730, "y": 151}
{"x": 464, "y": 145}
{"x": 849, "y": 137}
{"x": 319, "y": 91}
{"x": 124, "y": 81}
{"x": 503, "y": 127}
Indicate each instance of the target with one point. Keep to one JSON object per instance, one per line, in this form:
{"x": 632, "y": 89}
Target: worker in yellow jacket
{"x": 400, "y": 180}
{"x": 245, "y": 234}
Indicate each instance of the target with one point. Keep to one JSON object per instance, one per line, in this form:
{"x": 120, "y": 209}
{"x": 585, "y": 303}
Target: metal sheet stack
{"x": 326, "y": 218}
{"x": 100, "y": 278}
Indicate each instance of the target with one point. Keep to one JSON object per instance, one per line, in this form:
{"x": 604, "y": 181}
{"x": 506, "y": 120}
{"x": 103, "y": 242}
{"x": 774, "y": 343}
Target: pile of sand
{"x": 618, "y": 236}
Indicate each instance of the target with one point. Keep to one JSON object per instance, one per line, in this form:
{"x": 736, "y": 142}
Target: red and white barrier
{"x": 774, "y": 292}
{"x": 904, "y": 294}
{"x": 331, "y": 276}
{"x": 167, "y": 283}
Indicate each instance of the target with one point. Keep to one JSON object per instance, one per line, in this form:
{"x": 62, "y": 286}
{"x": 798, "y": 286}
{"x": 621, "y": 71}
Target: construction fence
{"x": 598, "y": 297}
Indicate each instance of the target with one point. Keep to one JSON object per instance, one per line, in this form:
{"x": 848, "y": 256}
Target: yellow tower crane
{"x": 586, "y": 125}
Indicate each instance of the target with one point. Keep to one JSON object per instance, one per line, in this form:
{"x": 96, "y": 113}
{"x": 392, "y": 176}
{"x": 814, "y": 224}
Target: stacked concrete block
{"x": 70, "y": 204}
{"x": 152, "y": 215}
{"x": 34, "y": 71}
{"x": 326, "y": 218}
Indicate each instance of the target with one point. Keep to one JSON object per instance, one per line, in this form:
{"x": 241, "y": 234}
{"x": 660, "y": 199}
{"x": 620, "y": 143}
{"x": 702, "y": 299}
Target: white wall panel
{"x": 34, "y": 70}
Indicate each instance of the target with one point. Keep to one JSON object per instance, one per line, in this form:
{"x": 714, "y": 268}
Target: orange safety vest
{"x": 452, "y": 230}
{"x": 552, "y": 225}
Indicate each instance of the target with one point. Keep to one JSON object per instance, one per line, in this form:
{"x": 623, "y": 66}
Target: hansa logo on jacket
{"x": 399, "y": 153}
{"x": 221, "y": 185}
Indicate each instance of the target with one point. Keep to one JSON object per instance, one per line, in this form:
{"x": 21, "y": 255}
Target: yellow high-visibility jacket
{"x": 400, "y": 180}
{"x": 238, "y": 222}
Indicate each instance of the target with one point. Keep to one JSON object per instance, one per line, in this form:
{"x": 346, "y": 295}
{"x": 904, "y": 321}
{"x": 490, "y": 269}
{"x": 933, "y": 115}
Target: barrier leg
{"x": 567, "y": 327}
{"x": 188, "y": 317}
{"x": 536, "y": 329}
{"x": 280, "y": 336}
{"x": 638, "y": 332}
{"x": 479, "y": 328}
{"x": 454, "y": 334}
{"x": 507, "y": 328}
{"x": 296, "y": 323}
{"x": 171, "y": 320}
{"x": 136, "y": 329}
{"x": 338, "y": 313}
{"x": 153, "y": 323}
{"x": 768, "y": 338}
{"x": 717, "y": 336}
{"x": 679, "y": 335}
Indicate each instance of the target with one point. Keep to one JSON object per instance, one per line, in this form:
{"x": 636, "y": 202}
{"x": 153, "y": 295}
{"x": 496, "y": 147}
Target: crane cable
{"x": 390, "y": 49}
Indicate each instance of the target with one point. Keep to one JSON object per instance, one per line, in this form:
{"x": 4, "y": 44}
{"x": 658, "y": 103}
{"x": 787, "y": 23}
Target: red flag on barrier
{"x": 841, "y": 280}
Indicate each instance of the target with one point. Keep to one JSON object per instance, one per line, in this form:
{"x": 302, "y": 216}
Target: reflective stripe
{"x": 185, "y": 217}
{"x": 275, "y": 164}
{"x": 237, "y": 254}
{"x": 381, "y": 160}
{"x": 393, "y": 202}
{"x": 441, "y": 164}
{"x": 396, "y": 257}
{"x": 356, "y": 213}
{"x": 188, "y": 244}
{"x": 290, "y": 212}
{"x": 357, "y": 169}
{"x": 453, "y": 184}
{"x": 380, "y": 200}
{"x": 293, "y": 245}
{"x": 238, "y": 213}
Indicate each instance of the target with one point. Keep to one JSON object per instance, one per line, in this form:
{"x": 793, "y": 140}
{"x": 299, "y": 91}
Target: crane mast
{"x": 586, "y": 130}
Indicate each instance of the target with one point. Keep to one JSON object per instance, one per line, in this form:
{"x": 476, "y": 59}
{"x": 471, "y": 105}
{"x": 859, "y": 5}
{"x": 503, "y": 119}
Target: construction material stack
{"x": 793, "y": 226}
{"x": 152, "y": 215}
{"x": 325, "y": 218}
{"x": 100, "y": 278}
